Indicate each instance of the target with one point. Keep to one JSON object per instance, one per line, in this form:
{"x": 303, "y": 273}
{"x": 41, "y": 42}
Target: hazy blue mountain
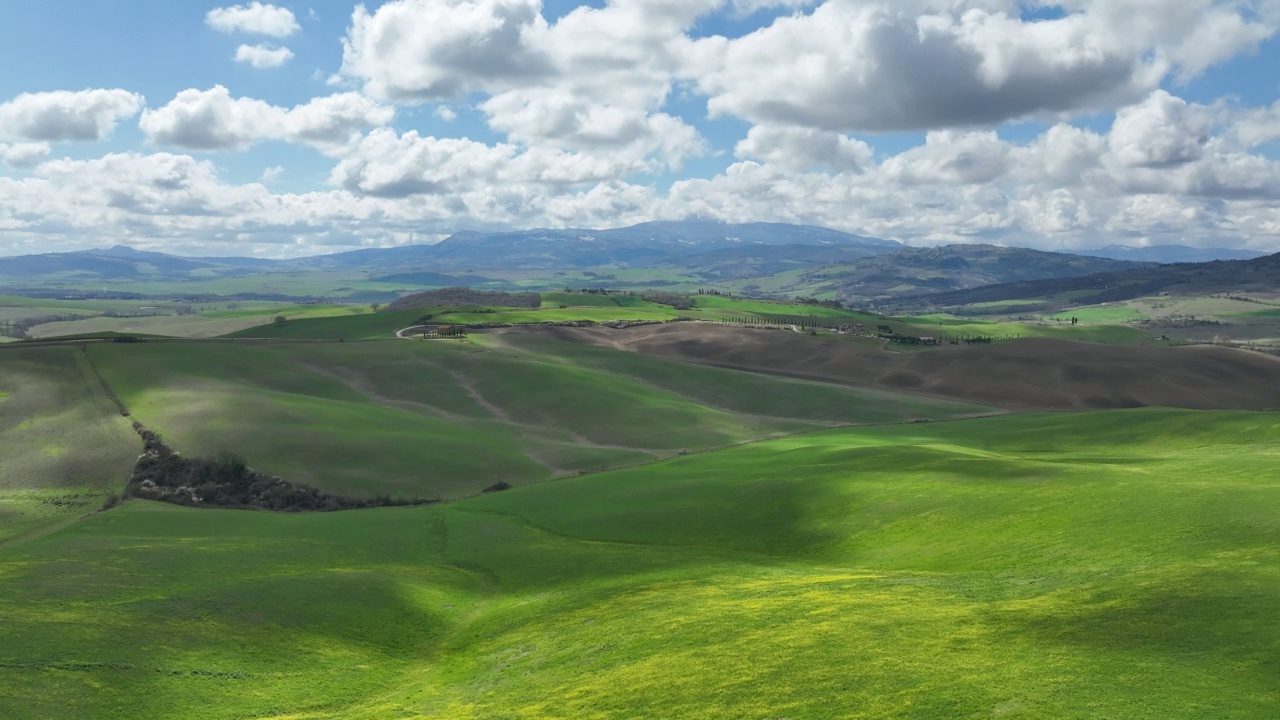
{"x": 116, "y": 263}
{"x": 644, "y": 245}
{"x": 756, "y": 260}
{"x": 1168, "y": 253}
{"x": 917, "y": 271}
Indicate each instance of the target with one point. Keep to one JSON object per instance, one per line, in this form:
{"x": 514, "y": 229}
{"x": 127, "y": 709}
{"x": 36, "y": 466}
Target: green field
{"x": 449, "y": 418}
{"x": 364, "y": 326}
{"x": 255, "y": 319}
{"x": 577, "y": 307}
{"x": 951, "y": 326}
{"x": 211, "y": 323}
{"x": 1099, "y": 315}
{"x": 1118, "y": 564}
{"x": 63, "y": 445}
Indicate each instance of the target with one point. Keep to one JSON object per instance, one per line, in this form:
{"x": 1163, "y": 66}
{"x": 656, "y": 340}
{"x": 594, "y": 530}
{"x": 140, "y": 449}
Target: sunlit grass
{"x": 1116, "y": 564}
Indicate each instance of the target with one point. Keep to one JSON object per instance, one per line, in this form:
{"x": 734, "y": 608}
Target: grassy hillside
{"x": 1065, "y": 566}
{"x": 368, "y": 326}
{"x": 211, "y": 323}
{"x": 555, "y": 308}
{"x": 450, "y": 418}
{"x": 63, "y": 445}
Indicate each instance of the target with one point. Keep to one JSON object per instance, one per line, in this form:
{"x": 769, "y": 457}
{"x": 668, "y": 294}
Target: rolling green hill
{"x": 554, "y": 308}
{"x": 450, "y": 418}
{"x": 1115, "y": 564}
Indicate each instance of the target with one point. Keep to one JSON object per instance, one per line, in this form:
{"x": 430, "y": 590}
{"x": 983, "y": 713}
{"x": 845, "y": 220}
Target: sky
{"x": 300, "y": 128}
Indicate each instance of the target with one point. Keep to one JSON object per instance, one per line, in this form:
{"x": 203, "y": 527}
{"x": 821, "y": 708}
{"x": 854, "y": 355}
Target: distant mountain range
{"x": 644, "y": 245}
{"x": 754, "y": 258}
{"x": 1168, "y": 253}
{"x": 123, "y": 263}
{"x": 638, "y": 246}
{"x": 917, "y": 271}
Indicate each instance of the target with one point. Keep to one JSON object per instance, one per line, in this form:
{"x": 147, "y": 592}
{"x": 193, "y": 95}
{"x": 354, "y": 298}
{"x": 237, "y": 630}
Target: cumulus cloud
{"x": 214, "y": 120}
{"x": 415, "y": 50}
{"x": 1068, "y": 187}
{"x": 263, "y": 56}
{"x": 390, "y": 165}
{"x": 1161, "y": 131}
{"x": 385, "y": 164}
{"x": 24, "y": 154}
{"x": 796, "y": 148}
{"x": 951, "y": 157}
{"x": 65, "y": 116}
{"x": 598, "y": 78}
{"x": 256, "y": 18}
{"x": 921, "y": 65}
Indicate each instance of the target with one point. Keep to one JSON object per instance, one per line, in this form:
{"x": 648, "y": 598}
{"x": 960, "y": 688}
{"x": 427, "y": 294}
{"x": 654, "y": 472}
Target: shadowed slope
{"x": 1029, "y": 373}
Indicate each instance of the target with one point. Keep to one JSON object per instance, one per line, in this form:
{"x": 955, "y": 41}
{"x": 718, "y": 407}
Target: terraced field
{"x": 1118, "y": 564}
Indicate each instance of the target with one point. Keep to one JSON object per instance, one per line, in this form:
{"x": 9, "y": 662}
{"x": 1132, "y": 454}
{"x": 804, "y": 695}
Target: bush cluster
{"x": 226, "y": 481}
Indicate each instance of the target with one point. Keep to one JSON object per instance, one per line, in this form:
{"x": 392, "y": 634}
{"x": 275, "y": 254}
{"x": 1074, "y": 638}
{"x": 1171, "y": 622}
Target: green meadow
{"x": 555, "y": 308}
{"x": 446, "y": 419}
{"x": 1119, "y": 564}
{"x": 362, "y": 326}
{"x": 1098, "y": 315}
{"x": 63, "y": 445}
{"x": 950, "y": 325}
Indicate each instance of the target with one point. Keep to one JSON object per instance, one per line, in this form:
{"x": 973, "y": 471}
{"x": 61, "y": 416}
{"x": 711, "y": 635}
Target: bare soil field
{"x": 1031, "y": 373}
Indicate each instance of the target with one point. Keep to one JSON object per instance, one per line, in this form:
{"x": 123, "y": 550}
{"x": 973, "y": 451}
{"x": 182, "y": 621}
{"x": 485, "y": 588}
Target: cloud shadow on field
{"x": 1205, "y": 618}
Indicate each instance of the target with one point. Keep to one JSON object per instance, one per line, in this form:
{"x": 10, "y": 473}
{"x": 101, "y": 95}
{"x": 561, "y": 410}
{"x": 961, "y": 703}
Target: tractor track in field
{"x": 367, "y": 390}
{"x": 712, "y": 406}
{"x": 498, "y": 416}
{"x": 501, "y": 415}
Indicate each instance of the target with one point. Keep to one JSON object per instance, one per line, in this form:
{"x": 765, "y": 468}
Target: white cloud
{"x": 272, "y": 173}
{"x": 63, "y": 115}
{"x": 385, "y": 164}
{"x": 263, "y": 56}
{"x": 1257, "y": 126}
{"x": 390, "y": 165}
{"x": 1061, "y": 157}
{"x": 213, "y": 120}
{"x": 24, "y": 154}
{"x": 797, "y": 148}
{"x": 951, "y": 157}
{"x": 255, "y": 18}
{"x": 929, "y": 64}
{"x": 598, "y": 78}
{"x": 446, "y": 113}
{"x": 746, "y": 7}
{"x": 1162, "y": 131}
{"x": 415, "y": 50}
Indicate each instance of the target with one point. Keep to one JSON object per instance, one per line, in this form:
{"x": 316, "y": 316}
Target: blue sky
{"x": 1050, "y": 124}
